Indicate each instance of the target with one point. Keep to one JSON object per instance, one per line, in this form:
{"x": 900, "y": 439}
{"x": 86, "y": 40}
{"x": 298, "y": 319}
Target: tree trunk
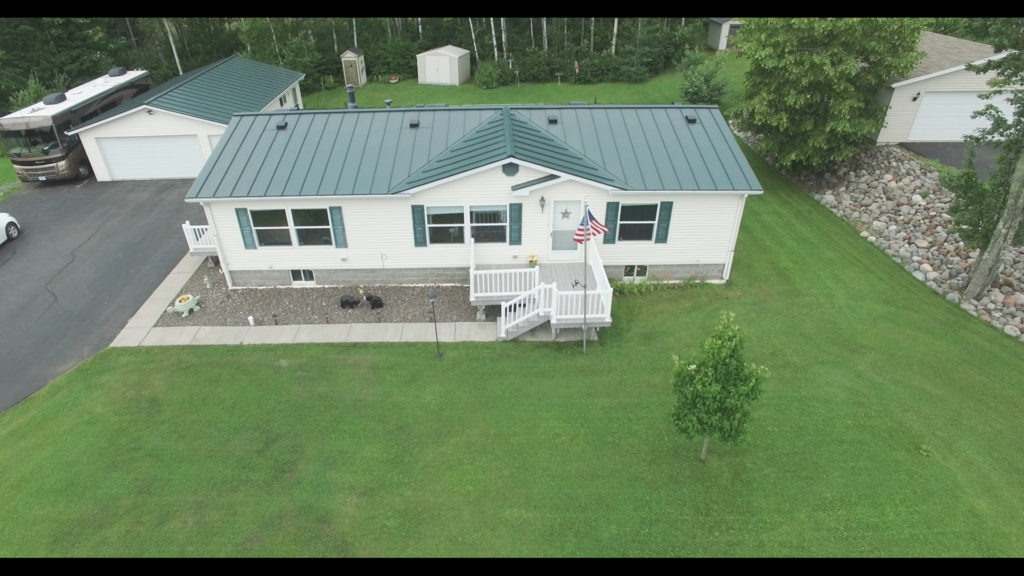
{"x": 419, "y": 27}
{"x": 274, "y": 36}
{"x": 986, "y": 267}
{"x": 533, "y": 41}
{"x": 544, "y": 33}
{"x": 494, "y": 40}
{"x": 131, "y": 33}
{"x": 615, "y": 35}
{"x": 355, "y": 39}
{"x": 476, "y": 53}
{"x": 591, "y": 34}
{"x": 173, "y": 49}
{"x": 504, "y": 41}
{"x": 704, "y": 448}
{"x": 334, "y": 35}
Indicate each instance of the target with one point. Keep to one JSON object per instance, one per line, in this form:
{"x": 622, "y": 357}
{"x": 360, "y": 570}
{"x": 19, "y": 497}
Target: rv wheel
{"x": 84, "y": 171}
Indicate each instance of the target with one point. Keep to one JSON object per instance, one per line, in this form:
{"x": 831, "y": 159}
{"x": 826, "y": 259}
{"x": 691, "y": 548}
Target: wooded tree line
{"x": 63, "y": 52}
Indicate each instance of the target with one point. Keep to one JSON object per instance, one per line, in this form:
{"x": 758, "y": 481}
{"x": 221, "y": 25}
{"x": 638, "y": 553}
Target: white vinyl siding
{"x": 903, "y": 109}
{"x": 380, "y": 229}
{"x": 140, "y": 125}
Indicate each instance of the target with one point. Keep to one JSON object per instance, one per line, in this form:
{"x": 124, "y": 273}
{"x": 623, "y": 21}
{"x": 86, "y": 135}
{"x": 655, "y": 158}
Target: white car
{"x": 11, "y": 227}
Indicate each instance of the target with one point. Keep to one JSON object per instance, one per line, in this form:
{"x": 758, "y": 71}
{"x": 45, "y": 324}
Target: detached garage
{"x": 935, "y": 102}
{"x": 170, "y": 131}
{"x": 447, "y": 65}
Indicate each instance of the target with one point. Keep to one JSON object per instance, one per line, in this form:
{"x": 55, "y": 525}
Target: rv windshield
{"x": 32, "y": 143}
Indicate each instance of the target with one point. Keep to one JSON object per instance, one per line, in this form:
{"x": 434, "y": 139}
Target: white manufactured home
{"x": 490, "y": 197}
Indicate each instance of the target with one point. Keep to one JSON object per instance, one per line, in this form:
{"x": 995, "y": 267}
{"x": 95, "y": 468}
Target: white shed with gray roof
{"x": 447, "y": 65}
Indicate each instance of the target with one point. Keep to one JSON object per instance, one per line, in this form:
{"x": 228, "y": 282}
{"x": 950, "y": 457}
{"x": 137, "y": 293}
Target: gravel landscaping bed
{"x": 220, "y": 306}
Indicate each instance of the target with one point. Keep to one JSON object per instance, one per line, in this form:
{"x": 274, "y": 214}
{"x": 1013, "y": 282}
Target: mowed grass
{"x": 890, "y": 426}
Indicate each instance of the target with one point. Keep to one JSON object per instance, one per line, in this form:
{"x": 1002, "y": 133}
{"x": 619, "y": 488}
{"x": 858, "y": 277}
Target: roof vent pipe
{"x": 351, "y": 95}
{"x": 691, "y": 119}
{"x": 387, "y": 103}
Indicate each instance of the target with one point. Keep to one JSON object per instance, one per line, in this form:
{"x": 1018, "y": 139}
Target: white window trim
{"x": 291, "y": 227}
{"x": 654, "y": 223}
{"x": 635, "y": 278}
{"x": 467, "y": 224}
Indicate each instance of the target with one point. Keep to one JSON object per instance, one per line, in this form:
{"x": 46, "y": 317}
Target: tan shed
{"x": 353, "y": 67}
{"x": 447, "y": 65}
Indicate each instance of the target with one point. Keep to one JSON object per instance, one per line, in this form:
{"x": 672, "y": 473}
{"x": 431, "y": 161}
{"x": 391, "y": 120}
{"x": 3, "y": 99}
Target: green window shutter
{"x": 338, "y": 226}
{"x": 419, "y": 225}
{"x": 664, "y": 217}
{"x": 515, "y": 224}
{"x": 245, "y": 225}
{"x": 611, "y": 220}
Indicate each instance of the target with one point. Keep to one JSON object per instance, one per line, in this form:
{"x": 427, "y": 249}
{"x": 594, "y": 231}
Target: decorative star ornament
{"x": 566, "y": 214}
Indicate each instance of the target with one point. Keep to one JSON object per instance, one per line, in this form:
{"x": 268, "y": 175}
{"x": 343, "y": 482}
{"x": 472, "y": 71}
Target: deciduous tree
{"x": 715, "y": 388}
{"x": 812, "y": 85}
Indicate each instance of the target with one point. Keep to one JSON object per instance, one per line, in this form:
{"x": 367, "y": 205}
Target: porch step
{"x": 519, "y": 330}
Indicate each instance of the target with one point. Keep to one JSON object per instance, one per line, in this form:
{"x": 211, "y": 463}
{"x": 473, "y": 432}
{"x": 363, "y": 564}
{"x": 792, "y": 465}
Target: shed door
{"x": 351, "y": 72}
{"x": 151, "y": 157}
{"x": 946, "y": 116}
{"x": 440, "y": 69}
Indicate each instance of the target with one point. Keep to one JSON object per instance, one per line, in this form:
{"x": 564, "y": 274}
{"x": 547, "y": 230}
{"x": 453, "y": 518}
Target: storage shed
{"x": 447, "y": 65}
{"x": 353, "y": 67}
{"x": 721, "y": 31}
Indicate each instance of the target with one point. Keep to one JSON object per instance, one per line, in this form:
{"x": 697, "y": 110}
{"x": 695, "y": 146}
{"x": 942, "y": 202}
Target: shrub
{"x": 701, "y": 82}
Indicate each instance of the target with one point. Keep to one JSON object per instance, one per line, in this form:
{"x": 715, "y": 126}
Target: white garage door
{"x": 946, "y": 116}
{"x": 151, "y": 157}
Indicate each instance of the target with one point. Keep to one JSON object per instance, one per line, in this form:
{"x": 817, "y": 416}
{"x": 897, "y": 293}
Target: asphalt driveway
{"x": 89, "y": 255}
{"x": 953, "y": 154}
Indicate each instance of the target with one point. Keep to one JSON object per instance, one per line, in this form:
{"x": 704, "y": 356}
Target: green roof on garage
{"x": 214, "y": 92}
{"x": 673, "y": 148}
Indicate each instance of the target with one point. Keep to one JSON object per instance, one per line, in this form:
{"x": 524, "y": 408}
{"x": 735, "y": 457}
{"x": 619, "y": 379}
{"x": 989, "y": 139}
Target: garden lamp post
{"x": 432, "y": 296}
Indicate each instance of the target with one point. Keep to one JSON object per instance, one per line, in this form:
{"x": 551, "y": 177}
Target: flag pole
{"x": 586, "y": 246}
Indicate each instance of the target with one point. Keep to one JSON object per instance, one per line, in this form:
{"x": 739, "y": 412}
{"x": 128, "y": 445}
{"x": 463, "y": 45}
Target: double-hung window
{"x": 637, "y": 221}
{"x": 297, "y": 227}
{"x": 489, "y": 223}
{"x": 446, "y": 224}
{"x": 271, "y": 227}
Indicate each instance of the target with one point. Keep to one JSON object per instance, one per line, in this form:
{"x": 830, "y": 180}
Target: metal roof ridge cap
{"x": 507, "y": 125}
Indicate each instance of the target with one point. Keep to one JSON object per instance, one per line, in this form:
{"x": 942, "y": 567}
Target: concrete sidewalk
{"x": 141, "y": 330}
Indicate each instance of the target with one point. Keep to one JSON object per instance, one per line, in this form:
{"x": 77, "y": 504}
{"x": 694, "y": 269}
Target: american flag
{"x": 594, "y": 229}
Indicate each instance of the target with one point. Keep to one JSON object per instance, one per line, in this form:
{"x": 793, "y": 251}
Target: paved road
{"x": 88, "y": 257}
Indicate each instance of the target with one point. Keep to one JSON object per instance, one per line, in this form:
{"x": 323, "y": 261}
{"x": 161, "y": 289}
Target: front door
{"x": 565, "y": 218}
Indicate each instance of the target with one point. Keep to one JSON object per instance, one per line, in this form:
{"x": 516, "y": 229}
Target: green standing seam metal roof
{"x": 388, "y": 151}
{"x": 213, "y": 92}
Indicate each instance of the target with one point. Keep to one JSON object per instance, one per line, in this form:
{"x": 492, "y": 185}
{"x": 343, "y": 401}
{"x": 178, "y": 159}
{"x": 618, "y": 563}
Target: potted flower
{"x": 532, "y": 260}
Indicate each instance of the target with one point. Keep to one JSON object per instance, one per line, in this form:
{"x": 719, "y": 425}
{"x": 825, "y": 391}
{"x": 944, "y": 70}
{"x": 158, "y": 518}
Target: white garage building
{"x": 170, "y": 131}
{"x": 934, "y": 103}
{"x": 447, "y": 65}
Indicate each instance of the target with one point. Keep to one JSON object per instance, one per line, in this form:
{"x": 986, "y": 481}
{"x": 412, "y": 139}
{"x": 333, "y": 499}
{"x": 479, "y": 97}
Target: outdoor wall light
{"x": 916, "y": 96}
{"x": 542, "y": 203}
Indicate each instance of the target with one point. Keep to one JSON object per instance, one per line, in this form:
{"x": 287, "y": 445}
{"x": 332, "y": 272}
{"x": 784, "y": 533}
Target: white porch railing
{"x": 199, "y": 238}
{"x": 526, "y": 303}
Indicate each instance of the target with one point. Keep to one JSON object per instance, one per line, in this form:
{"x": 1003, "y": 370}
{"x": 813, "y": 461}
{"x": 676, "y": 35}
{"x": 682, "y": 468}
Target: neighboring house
{"x": 935, "y": 101}
{"x": 469, "y": 195}
{"x": 169, "y": 131}
{"x": 721, "y": 31}
{"x": 446, "y": 66}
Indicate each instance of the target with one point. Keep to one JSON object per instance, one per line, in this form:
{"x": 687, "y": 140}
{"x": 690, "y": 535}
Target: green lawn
{"x": 890, "y": 426}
